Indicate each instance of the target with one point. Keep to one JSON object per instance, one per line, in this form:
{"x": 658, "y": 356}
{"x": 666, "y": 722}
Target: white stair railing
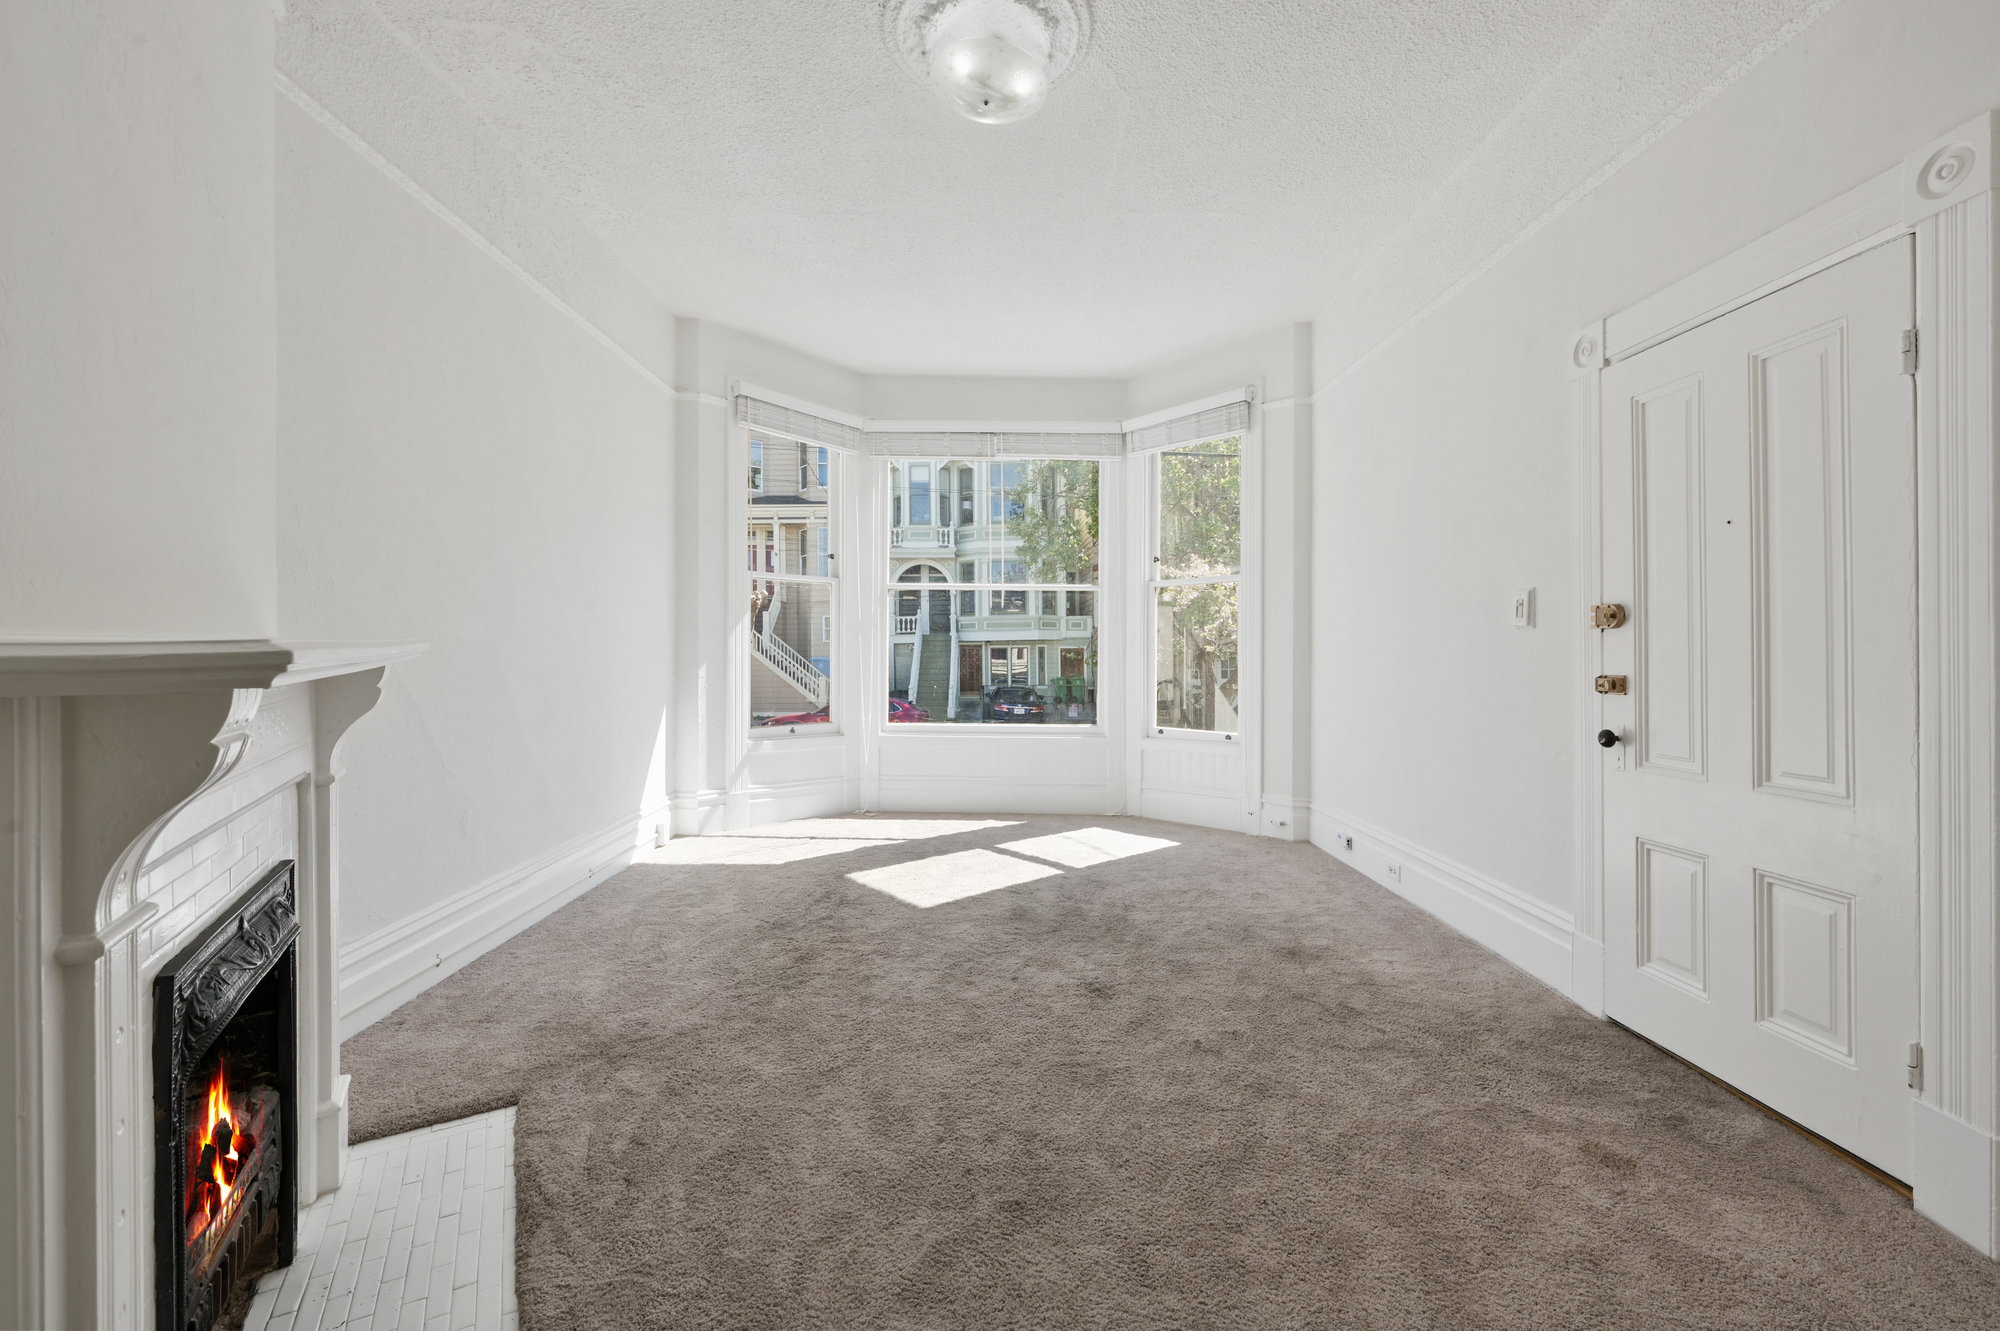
{"x": 797, "y": 670}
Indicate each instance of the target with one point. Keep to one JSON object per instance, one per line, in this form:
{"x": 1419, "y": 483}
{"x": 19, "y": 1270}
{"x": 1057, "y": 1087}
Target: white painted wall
{"x": 1443, "y": 469}
{"x": 464, "y": 461}
{"x": 136, "y": 299}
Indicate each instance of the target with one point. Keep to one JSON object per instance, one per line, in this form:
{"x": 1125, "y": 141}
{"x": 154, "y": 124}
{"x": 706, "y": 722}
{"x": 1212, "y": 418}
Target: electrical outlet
{"x": 1395, "y": 871}
{"x": 1348, "y": 841}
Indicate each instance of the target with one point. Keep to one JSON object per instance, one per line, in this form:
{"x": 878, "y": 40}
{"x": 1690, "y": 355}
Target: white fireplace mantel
{"x": 143, "y": 787}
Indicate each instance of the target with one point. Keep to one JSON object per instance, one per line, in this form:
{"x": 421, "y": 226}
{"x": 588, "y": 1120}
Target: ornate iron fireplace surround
{"x": 225, "y": 1032}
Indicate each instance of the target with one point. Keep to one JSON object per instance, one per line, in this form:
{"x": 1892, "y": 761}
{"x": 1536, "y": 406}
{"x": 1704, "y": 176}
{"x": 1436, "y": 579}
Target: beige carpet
{"x": 1229, "y": 1084}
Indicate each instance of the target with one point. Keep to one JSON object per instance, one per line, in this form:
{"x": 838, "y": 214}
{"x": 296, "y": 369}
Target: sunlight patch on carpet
{"x": 1087, "y": 846}
{"x": 751, "y": 850}
{"x": 874, "y": 829}
{"x": 941, "y": 878}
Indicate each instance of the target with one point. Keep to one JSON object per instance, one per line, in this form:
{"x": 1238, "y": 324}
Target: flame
{"x": 219, "y": 1130}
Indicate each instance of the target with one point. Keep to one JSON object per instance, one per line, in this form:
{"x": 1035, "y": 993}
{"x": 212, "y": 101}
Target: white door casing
{"x": 1760, "y": 818}
{"x": 1941, "y": 195}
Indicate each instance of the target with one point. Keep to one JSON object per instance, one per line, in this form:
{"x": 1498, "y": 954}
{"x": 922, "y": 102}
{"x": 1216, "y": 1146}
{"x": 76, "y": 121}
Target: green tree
{"x": 1057, "y": 520}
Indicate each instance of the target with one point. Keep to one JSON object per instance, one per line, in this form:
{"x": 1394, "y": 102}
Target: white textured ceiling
{"x": 1212, "y": 168}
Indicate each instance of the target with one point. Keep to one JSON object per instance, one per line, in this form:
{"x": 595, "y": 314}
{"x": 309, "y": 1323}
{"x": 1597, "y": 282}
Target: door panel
{"x": 1667, "y": 474}
{"x": 1799, "y": 543}
{"x": 1672, "y": 915}
{"x": 1759, "y": 852}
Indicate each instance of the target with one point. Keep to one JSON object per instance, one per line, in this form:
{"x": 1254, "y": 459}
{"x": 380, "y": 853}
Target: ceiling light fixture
{"x": 993, "y": 61}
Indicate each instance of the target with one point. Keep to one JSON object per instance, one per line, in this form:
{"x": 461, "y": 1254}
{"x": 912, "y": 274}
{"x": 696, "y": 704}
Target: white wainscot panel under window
{"x": 1044, "y": 773}
{"x": 1202, "y": 767}
{"x": 797, "y": 777}
{"x": 1198, "y": 781}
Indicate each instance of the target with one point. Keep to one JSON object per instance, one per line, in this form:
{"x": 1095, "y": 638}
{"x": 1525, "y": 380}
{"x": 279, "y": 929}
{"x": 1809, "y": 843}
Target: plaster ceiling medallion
{"x": 993, "y": 61}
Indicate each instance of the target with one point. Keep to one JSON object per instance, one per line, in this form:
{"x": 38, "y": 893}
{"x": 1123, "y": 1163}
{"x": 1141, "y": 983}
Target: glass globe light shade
{"x": 989, "y": 79}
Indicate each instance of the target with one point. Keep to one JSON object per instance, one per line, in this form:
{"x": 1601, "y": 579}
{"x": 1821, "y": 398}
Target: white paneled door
{"x": 1760, "y": 788}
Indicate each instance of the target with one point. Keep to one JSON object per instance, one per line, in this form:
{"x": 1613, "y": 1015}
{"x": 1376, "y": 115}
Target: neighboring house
{"x": 953, "y": 532}
{"x": 791, "y": 622}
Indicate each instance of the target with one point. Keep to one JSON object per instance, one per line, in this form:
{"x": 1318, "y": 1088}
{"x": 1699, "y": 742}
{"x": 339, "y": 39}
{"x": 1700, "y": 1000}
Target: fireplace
{"x": 226, "y": 1115}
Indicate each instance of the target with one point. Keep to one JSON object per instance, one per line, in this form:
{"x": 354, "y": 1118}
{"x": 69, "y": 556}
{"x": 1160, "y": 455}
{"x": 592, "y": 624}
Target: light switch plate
{"x": 1524, "y": 608}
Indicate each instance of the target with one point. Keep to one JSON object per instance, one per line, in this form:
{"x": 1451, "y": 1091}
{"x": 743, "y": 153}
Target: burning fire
{"x": 222, "y": 1149}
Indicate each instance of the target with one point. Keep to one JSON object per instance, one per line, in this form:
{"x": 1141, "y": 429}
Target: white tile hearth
{"x": 419, "y": 1238}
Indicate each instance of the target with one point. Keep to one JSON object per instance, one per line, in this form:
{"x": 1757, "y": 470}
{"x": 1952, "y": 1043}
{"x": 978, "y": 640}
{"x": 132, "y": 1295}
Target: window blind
{"x": 992, "y": 444}
{"x": 802, "y": 426}
{"x": 1199, "y": 427}
{"x": 1214, "y": 423}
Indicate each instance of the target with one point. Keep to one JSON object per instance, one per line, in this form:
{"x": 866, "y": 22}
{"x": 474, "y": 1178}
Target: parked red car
{"x": 797, "y": 719}
{"x": 899, "y": 710}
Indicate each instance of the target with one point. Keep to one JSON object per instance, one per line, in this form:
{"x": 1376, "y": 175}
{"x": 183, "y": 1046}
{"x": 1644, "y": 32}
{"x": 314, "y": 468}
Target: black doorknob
{"x": 1608, "y": 738}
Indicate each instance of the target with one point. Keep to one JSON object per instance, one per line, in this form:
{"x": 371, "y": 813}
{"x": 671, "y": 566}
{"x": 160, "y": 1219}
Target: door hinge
{"x": 1909, "y": 351}
{"x": 1916, "y": 1067}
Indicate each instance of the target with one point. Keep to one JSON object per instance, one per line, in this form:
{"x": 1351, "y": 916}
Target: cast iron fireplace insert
{"x": 225, "y": 1049}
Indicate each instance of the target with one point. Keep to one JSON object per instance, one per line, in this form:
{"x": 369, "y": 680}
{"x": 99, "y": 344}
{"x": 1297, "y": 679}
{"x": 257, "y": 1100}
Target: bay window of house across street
{"x": 993, "y": 591}
{"x": 792, "y": 584}
{"x": 1195, "y": 568}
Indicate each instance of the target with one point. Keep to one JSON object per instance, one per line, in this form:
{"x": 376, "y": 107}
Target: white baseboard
{"x": 973, "y": 793}
{"x": 693, "y": 813}
{"x": 385, "y": 970}
{"x": 1531, "y": 934}
{"x": 1957, "y": 1177}
{"x": 1225, "y": 813}
{"x": 783, "y": 801}
{"x": 1287, "y": 820}
{"x": 1586, "y": 973}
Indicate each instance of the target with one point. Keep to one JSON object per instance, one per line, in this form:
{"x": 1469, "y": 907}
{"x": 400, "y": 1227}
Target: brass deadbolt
{"x": 1607, "y": 616}
{"x": 1611, "y": 683}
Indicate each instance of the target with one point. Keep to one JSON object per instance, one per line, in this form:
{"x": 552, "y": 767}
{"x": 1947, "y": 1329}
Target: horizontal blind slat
{"x": 802, "y": 426}
{"x": 992, "y": 444}
{"x": 1215, "y": 423}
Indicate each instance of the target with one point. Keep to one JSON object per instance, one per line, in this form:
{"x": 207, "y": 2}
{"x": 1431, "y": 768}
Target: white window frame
{"x": 1151, "y": 583}
{"x": 1111, "y": 628}
{"x": 834, "y": 728}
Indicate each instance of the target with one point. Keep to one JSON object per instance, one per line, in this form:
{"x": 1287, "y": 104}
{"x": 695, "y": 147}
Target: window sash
{"x": 1214, "y": 581}
{"x": 818, "y": 648}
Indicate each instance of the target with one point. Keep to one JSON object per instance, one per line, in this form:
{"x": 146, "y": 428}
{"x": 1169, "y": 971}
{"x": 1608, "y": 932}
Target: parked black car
{"x": 1013, "y": 702}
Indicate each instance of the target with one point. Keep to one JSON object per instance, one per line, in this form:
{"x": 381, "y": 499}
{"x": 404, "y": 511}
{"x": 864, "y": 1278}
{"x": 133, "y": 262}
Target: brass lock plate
{"x": 1611, "y": 683}
{"x": 1607, "y": 616}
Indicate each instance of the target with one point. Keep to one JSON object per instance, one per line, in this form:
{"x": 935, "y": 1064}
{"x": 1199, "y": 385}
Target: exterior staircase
{"x": 932, "y": 690}
{"x": 794, "y": 669}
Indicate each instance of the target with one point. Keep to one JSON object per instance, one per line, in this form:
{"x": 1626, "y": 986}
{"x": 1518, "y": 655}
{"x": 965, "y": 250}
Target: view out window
{"x": 812, "y": 469}
{"x": 1196, "y": 567}
{"x": 791, "y": 586}
{"x": 1019, "y": 645}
